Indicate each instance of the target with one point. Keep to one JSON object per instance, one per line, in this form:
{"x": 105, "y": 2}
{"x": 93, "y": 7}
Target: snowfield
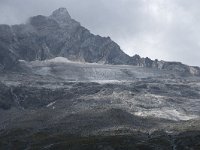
{"x": 79, "y": 71}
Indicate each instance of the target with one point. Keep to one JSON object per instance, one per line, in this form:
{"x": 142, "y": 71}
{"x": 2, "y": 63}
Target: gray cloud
{"x": 168, "y": 30}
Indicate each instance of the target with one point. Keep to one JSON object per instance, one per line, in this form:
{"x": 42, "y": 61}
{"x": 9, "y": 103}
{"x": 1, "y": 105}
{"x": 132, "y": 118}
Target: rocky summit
{"x": 62, "y": 87}
{"x": 58, "y": 35}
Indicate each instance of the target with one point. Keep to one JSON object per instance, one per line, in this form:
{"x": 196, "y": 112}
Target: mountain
{"x": 58, "y": 35}
{"x": 62, "y": 87}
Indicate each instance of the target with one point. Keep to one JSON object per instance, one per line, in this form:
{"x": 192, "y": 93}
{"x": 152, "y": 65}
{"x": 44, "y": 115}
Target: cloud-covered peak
{"x": 154, "y": 28}
{"x": 61, "y": 15}
{"x": 61, "y": 12}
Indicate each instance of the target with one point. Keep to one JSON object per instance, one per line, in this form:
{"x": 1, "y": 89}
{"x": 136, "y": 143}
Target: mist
{"x": 159, "y": 29}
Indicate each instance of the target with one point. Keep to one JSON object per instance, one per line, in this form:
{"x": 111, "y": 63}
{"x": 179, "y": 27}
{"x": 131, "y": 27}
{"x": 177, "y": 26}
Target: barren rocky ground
{"x": 70, "y": 105}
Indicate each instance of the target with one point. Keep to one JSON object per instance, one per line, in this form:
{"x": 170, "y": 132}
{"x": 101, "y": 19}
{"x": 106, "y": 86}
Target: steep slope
{"x": 59, "y": 35}
{"x": 8, "y": 59}
{"x": 45, "y": 37}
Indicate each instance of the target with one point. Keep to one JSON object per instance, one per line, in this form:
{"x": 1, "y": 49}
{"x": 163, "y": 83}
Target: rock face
{"x": 59, "y": 35}
{"x": 8, "y": 59}
{"x": 51, "y": 100}
{"x": 6, "y": 98}
{"x": 49, "y": 112}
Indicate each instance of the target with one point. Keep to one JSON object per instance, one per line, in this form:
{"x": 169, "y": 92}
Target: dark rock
{"x": 59, "y": 35}
{"x": 6, "y": 98}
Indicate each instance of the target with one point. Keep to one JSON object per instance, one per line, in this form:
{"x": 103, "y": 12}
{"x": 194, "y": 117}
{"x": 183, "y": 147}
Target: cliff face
{"x": 59, "y": 35}
{"x": 164, "y": 65}
{"x": 44, "y": 37}
{"x": 7, "y": 57}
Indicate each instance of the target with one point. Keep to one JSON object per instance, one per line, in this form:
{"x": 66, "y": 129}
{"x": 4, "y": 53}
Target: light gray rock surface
{"x": 59, "y": 102}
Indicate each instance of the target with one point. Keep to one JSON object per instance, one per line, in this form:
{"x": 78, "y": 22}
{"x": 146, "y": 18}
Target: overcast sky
{"x": 163, "y": 29}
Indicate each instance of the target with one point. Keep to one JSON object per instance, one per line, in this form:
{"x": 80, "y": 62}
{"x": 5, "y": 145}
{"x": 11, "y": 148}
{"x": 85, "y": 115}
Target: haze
{"x": 164, "y": 29}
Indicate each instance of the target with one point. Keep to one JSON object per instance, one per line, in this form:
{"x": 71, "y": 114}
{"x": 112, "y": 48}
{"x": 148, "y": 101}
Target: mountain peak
{"x": 61, "y": 12}
{"x": 61, "y": 15}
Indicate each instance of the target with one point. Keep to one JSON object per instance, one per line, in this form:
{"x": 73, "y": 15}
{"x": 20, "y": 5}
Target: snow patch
{"x": 49, "y": 61}
{"x": 11, "y": 83}
{"x": 21, "y": 60}
{"x": 58, "y": 60}
{"x": 51, "y": 104}
{"x": 166, "y": 113}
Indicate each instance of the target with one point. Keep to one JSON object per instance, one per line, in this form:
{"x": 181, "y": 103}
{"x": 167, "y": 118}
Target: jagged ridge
{"x": 45, "y": 37}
